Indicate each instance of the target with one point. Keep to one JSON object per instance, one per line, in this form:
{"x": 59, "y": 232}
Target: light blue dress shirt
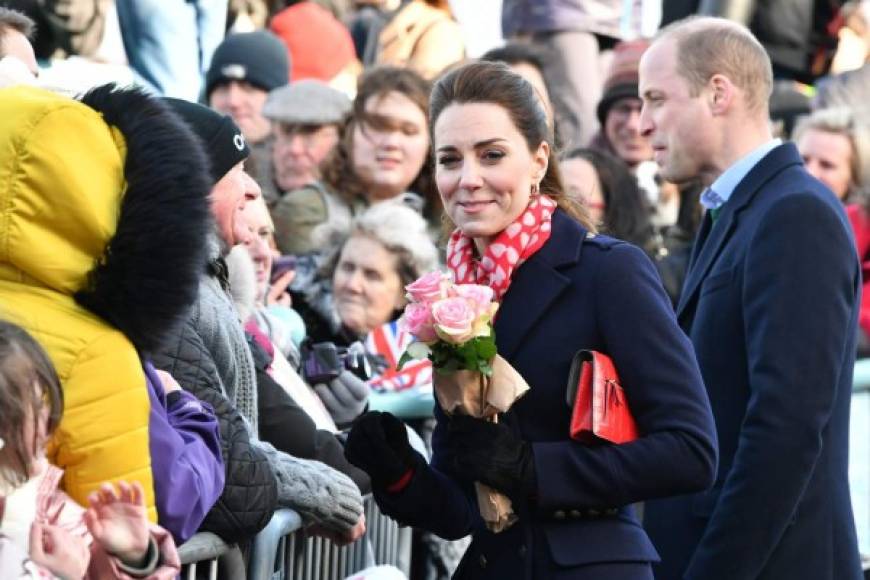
{"x": 720, "y": 192}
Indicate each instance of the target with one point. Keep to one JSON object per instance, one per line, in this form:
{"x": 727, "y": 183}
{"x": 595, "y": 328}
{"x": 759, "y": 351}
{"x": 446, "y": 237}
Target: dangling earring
{"x": 534, "y": 190}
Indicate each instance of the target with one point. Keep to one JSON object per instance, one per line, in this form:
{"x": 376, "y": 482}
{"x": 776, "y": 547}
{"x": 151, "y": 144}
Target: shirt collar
{"x": 720, "y": 192}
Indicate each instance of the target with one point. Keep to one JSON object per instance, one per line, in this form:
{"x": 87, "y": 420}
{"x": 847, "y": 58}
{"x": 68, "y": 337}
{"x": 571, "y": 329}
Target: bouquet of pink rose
{"x": 452, "y": 325}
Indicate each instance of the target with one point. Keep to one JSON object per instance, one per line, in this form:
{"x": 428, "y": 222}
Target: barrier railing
{"x": 859, "y": 454}
{"x": 283, "y": 550}
{"x": 206, "y": 550}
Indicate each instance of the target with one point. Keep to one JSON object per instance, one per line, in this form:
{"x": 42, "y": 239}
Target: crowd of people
{"x": 203, "y": 267}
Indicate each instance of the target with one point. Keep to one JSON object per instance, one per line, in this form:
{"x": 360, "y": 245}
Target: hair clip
{"x": 2, "y": 443}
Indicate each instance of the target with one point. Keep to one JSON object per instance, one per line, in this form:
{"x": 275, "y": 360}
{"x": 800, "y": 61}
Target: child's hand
{"x": 118, "y": 522}
{"x": 64, "y": 554}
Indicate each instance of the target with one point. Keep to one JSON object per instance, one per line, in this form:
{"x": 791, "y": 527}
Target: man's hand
{"x": 352, "y": 535}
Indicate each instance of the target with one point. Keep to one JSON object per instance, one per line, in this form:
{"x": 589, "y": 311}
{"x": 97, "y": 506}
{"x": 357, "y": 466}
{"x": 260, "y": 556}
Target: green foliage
{"x": 474, "y": 355}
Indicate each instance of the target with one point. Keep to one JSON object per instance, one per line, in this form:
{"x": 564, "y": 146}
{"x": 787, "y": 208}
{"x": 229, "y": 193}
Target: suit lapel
{"x": 704, "y": 254}
{"x": 706, "y": 251}
{"x": 536, "y": 284}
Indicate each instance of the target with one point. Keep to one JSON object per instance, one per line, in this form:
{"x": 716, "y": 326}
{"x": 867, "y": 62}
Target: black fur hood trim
{"x": 149, "y": 275}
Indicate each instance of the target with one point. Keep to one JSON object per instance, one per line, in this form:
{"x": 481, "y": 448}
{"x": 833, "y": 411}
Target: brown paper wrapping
{"x": 472, "y": 393}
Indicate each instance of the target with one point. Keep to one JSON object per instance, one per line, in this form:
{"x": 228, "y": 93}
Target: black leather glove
{"x": 378, "y": 444}
{"x": 492, "y": 454}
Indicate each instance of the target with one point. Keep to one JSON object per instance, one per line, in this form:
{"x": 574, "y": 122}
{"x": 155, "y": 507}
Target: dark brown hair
{"x": 337, "y": 169}
{"x": 495, "y": 83}
{"x": 28, "y": 382}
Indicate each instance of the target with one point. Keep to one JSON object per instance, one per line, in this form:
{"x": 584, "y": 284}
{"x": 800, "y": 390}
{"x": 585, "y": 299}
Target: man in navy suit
{"x": 770, "y": 304}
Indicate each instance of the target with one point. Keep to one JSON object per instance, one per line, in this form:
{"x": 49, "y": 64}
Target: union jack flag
{"x": 390, "y": 342}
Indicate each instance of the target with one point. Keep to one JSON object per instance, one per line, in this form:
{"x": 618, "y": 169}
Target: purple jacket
{"x": 185, "y": 458}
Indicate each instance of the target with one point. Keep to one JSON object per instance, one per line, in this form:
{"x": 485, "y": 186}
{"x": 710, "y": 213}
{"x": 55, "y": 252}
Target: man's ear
{"x": 721, "y": 94}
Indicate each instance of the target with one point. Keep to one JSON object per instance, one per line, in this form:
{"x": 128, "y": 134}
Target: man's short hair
{"x": 707, "y": 46}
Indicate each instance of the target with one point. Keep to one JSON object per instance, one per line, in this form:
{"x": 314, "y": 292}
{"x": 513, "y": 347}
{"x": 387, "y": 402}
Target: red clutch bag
{"x": 599, "y": 409}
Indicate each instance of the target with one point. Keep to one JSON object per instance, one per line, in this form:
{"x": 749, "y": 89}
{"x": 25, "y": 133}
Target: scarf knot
{"x": 507, "y": 252}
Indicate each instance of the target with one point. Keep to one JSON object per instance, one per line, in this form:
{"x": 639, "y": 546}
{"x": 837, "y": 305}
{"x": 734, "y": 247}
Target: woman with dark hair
{"x": 562, "y": 288}
{"x": 615, "y": 201}
{"x": 383, "y": 154}
{"x": 610, "y": 192}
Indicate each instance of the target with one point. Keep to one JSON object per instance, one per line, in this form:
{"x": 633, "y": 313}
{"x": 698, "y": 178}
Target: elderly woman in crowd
{"x": 835, "y": 146}
{"x": 361, "y": 286}
{"x": 382, "y": 155}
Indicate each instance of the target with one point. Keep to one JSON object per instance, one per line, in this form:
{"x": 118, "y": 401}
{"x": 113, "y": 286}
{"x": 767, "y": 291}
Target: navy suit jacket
{"x": 578, "y": 292}
{"x": 771, "y": 303}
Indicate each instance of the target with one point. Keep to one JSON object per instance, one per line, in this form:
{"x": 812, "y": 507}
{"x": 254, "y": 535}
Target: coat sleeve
{"x": 799, "y": 294}
{"x": 433, "y": 500}
{"x": 288, "y": 428}
{"x": 103, "y": 435}
{"x": 250, "y": 491}
{"x": 677, "y": 449}
{"x": 186, "y": 454}
{"x": 163, "y": 561}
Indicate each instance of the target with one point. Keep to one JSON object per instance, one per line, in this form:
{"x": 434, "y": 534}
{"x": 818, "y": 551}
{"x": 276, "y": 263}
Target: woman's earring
{"x": 534, "y": 190}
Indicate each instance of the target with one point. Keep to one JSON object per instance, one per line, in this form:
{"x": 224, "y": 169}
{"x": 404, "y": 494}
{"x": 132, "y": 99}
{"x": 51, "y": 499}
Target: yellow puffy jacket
{"x": 63, "y": 191}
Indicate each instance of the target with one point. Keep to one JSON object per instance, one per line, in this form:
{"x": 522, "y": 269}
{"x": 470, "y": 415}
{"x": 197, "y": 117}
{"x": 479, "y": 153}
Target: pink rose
{"x": 417, "y": 320}
{"x": 479, "y": 296}
{"x": 428, "y": 288}
{"x": 454, "y": 319}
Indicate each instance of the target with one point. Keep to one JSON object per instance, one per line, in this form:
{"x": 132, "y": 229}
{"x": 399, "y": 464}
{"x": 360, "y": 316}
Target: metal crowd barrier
{"x": 859, "y": 455}
{"x": 207, "y": 550}
{"x": 284, "y": 551}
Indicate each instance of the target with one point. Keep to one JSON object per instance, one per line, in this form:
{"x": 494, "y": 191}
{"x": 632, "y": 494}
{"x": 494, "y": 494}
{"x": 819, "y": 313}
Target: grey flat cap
{"x": 307, "y": 102}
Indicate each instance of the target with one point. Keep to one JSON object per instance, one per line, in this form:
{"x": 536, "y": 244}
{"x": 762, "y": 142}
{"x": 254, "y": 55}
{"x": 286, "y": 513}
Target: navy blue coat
{"x": 771, "y": 303}
{"x": 579, "y": 292}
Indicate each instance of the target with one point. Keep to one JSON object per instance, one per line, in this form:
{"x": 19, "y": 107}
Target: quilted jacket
{"x": 250, "y": 490}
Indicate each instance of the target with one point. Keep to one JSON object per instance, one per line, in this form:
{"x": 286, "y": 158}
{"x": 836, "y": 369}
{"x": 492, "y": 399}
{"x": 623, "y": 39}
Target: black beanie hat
{"x": 221, "y": 139}
{"x": 259, "y": 58}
